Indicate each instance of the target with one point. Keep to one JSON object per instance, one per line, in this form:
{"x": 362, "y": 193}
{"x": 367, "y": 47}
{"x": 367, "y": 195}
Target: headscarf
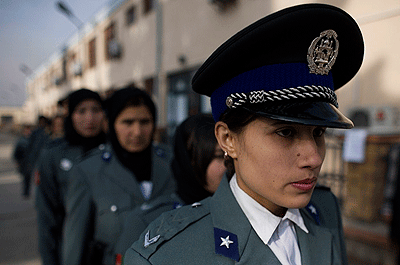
{"x": 71, "y": 135}
{"x": 194, "y": 148}
{"x": 139, "y": 163}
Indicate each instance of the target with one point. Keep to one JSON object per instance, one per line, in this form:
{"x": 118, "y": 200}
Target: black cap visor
{"x": 308, "y": 113}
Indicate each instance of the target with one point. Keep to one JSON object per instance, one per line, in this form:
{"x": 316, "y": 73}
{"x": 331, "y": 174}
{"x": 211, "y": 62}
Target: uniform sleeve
{"x": 50, "y": 211}
{"x": 131, "y": 257}
{"x": 78, "y": 222}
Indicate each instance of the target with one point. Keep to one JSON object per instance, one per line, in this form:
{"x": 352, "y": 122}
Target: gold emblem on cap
{"x": 323, "y": 52}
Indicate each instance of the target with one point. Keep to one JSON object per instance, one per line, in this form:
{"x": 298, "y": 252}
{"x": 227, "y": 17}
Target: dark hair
{"x": 125, "y": 97}
{"x": 194, "y": 149}
{"x": 236, "y": 120}
{"x": 201, "y": 146}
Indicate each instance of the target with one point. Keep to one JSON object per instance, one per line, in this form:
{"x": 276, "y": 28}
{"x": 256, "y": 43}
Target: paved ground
{"x": 18, "y": 231}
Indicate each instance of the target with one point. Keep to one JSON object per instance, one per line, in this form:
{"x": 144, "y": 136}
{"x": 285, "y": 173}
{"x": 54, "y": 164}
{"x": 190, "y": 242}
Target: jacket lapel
{"x": 118, "y": 174}
{"x": 229, "y": 217}
{"x": 315, "y": 246}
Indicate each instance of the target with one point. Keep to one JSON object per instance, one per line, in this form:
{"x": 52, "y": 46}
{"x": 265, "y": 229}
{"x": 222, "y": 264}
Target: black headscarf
{"x": 194, "y": 148}
{"x": 71, "y": 135}
{"x": 139, "y": 163}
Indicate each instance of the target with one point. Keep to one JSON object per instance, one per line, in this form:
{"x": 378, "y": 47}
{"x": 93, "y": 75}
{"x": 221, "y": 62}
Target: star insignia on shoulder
{"x": 225, "y": 242}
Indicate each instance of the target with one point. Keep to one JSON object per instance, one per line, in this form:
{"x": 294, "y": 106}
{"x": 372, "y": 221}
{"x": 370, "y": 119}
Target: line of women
{"x": 92, "y": 191}
{"x": 272, "y": 88}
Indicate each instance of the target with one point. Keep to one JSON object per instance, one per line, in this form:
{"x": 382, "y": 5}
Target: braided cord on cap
{"x": 301, "y": 92}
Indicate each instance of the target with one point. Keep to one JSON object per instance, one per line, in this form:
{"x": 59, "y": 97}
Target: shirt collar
{"x": 261, "y": 219}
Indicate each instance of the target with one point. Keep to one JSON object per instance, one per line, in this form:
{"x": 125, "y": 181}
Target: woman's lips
{"x": 305, "y": 184}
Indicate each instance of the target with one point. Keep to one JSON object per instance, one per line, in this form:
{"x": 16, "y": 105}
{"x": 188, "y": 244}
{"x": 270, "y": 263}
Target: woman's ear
{"x": 227, "y": 140}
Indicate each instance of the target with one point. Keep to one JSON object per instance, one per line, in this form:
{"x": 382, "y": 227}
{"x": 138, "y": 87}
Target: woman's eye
{"x": 285, "y": 132}
{"x": 318, "y": 132}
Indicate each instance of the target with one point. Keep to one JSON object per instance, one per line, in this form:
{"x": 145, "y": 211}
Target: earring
{"x": 226, "y": 155}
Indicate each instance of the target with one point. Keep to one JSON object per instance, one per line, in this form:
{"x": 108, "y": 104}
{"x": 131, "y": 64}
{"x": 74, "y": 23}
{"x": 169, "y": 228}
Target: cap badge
{"x": 323, "y": 52}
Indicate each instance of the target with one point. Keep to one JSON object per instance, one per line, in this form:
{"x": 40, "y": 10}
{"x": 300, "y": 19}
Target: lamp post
{"x": 63, "y": 8}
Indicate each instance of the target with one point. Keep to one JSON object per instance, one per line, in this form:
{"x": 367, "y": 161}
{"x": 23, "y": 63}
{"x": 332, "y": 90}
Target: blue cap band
{"x": 268, "y": 78}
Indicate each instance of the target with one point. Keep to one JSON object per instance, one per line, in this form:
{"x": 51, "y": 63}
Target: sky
{"x": 30, "y": 32}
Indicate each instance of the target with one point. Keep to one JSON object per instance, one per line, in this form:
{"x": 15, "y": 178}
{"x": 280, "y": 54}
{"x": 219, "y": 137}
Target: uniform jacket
{"x": 102, "y": 193}
{"x": 53, "y": 178}
{"x": 194, "y": 234}
{"x": 140, "y": 217}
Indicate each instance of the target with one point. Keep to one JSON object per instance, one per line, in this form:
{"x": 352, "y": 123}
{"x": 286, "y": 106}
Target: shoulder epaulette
{"x": 99, "y": 150}
{"x": 168, "y": 225}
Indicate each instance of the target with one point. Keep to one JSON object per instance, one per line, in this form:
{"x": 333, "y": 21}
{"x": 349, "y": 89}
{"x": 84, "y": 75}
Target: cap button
{"x": 229, "y": 102}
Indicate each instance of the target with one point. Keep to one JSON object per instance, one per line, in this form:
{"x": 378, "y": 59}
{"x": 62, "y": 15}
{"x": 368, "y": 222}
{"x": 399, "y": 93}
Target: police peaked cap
{"x": 286, "y": 66}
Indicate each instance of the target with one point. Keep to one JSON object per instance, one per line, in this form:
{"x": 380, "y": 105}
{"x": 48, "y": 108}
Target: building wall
{"x": 193, "y": 29}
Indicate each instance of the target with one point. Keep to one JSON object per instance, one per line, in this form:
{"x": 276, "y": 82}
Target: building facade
{"x": 159, "y": 44}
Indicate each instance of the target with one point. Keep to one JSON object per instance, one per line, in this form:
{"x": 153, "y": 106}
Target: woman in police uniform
{"x": 114, "y": 179}
{"x": 197, "y": 167}
{"x": 272, "y": 95}
{"x": 83, "y": 131}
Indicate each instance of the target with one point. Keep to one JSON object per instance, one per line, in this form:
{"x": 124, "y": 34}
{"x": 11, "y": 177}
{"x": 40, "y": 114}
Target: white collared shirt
{"x": 270, "y": 227}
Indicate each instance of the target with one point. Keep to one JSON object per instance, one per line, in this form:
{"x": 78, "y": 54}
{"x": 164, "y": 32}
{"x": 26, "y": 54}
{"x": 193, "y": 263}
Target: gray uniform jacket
{"x": 101, "y": 195}
{"x": 54, "y": 166}
{"x": 216, "y": 231}
{"x": 140, "y": 217}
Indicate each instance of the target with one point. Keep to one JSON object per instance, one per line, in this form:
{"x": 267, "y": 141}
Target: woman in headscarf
{"x": 83, "y": 132}
{"x": 198, "y": 167}
{"x": 115, "y": 179}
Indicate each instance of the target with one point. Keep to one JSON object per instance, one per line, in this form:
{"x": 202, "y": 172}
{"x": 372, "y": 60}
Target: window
{"x": 148, "y": 5}
{"x": 182, "y": 100}
{"x": 130, "y": 15}
{"x": 92, "y": 53}
{"x": 70, "y": 64}
{"x": 109, "y": 35}
{"x": 148, "y": 86}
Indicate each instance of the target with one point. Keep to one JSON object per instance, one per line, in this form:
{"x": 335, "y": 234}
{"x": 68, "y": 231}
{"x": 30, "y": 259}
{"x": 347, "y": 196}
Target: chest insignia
{"x": 226, "y": 244}
{"x": 148, "y": 241}
{"x": 65, "y": 164}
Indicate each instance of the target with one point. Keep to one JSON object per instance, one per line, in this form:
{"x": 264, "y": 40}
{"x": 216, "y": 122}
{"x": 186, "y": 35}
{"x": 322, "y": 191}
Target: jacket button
{"x": 114, "y": 208}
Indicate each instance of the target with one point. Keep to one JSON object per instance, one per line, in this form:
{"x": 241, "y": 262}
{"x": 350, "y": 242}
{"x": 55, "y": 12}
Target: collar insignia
{"x": 106, "y": 156}
{"x": 148, "y": 241}
{"x": 65, "y": 164}
{"x": 314, "y": 212}
{"x": 226, "y": 244}
{"x": 323, "y": 52}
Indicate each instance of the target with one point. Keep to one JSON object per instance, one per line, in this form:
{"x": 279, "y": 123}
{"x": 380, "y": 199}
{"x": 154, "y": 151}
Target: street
{"x": 18, "y": 227}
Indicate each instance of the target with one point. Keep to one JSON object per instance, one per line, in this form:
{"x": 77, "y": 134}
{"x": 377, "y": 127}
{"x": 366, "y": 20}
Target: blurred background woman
{"x": 83, "y": 132}
{"x": 198, "y": 167}
{"x": 116, "y": 178}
